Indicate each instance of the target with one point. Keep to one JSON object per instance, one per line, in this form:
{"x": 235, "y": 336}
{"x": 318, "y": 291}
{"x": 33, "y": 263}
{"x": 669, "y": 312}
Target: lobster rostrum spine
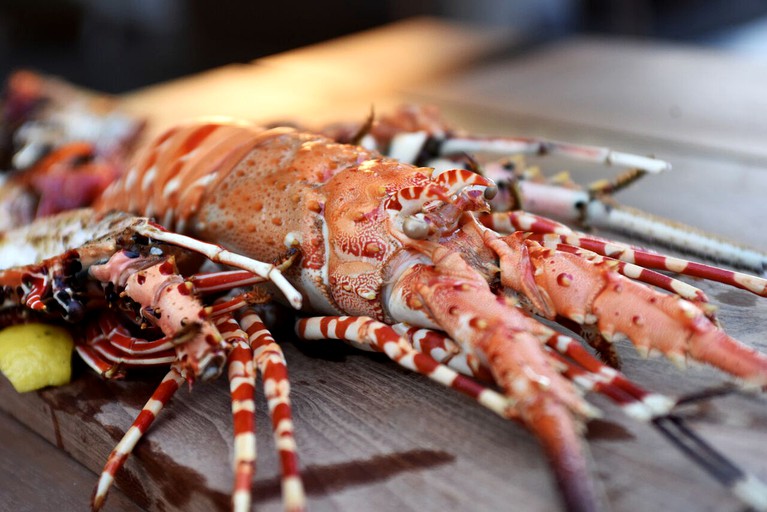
{"x": 382, "y": 239}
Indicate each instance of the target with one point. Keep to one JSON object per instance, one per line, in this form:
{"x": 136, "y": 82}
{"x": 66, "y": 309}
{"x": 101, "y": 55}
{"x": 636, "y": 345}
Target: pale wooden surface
{"x": 647, "y": 89}
{"x": 372, "y": 436}
{"x": 33, "y": 471}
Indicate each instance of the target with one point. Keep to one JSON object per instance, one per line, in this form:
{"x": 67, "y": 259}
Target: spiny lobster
{"x": 405, "y": 260}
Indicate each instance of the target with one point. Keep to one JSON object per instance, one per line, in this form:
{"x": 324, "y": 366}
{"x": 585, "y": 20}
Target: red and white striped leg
{"x": 440, "y": 347}
{"x": 242, "y": 385}
{"x": 113, "y": 332}
{"x": 531, "y": 146}
{"x": 141, "y": 424}
{"x": 100, "y": 365}
{"x": 581, "y": 367}
{"x": 632, "y": 271}
{"x": 223, "y": 281}
{"x": 549, "y": 233}
{"x": 270, "y": 361}
{"x": 407, "y": 146}
{"x": 649, "y": 259}
{"x": 368, "y": 334}
{"x": 228, "y": 280}
{"x": 591, "y": 373}
{"x": 108, "y": 348}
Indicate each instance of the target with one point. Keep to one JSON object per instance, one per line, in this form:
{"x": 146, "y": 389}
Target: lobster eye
{"x": 490, "y": 192}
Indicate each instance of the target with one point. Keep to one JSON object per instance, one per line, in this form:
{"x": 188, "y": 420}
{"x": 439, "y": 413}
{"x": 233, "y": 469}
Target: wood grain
{"x": 374, "y": 436}
{"x": 32, "y": 470}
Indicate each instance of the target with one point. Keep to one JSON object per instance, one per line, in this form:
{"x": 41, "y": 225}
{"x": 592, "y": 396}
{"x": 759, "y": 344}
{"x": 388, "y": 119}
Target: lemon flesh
{"x": 35, "y": 355}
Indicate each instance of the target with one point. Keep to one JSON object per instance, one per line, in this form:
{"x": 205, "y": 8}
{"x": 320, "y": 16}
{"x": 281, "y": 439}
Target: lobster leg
{"x": 97, "y": 362}
{"x": 579, "y": 366}
{"x": 639, "y": 273}
{"x": 368, "y": 334}
{"x": 408, "y": 146}
{"x": 649, "y": 259}
{"x": 117, "y": 356}
{"x": 242, "y": 385}
{"x": 549, "y": 233}
{"x": 227, "y": 280}
{"x": 620, "y": 307}
{"x": 119, "y": 338}
{"x": 270, "y": 361}
{"x": 222, "y": 281}
{"x": 141, "y": 424}
{"x": 444, "y": 350}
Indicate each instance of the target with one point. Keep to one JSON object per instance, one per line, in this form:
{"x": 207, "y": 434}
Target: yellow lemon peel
{"x": 33, "y": 356}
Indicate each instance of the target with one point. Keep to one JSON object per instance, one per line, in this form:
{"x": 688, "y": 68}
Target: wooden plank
{"x": 374, "y": 436}
{"x": 683, "y": 94}
{"x": 32, "y": 468}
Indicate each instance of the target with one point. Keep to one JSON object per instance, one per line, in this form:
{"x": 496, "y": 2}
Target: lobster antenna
{"x": 706, "y": 394}
{"x": 365, "y": 129}
{"x": 745, "y": 486}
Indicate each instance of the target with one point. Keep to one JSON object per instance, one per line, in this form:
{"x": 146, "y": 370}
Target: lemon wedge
{"x": 36, "y": 355}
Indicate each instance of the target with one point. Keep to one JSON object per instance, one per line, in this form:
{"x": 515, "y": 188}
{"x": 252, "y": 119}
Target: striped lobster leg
{"x": 444, "y": 350}
{"x": 576, "y": 364}
{"x": 649, "y": 259}
{"x": 109, "y": 348}
{"x": 141, "y": 424}
{"x": 226, "y": 280}
{"x": 242, "y": 385}
{"x": 270, "y": 362}
{"x": 551, "y": 233}
{"x": 371, "y": 335}
{"x": 411, "y": 146}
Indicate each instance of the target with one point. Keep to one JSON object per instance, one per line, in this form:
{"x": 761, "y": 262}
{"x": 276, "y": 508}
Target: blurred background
{"x": 119, "y": 46}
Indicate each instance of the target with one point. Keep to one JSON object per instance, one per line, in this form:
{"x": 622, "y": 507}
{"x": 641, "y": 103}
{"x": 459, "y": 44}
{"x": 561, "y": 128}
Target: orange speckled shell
{"x": 257, "y": 192}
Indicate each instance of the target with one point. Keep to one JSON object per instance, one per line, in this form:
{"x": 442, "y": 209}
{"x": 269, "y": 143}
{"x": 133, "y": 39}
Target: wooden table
{"x": 372, "y": 436}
